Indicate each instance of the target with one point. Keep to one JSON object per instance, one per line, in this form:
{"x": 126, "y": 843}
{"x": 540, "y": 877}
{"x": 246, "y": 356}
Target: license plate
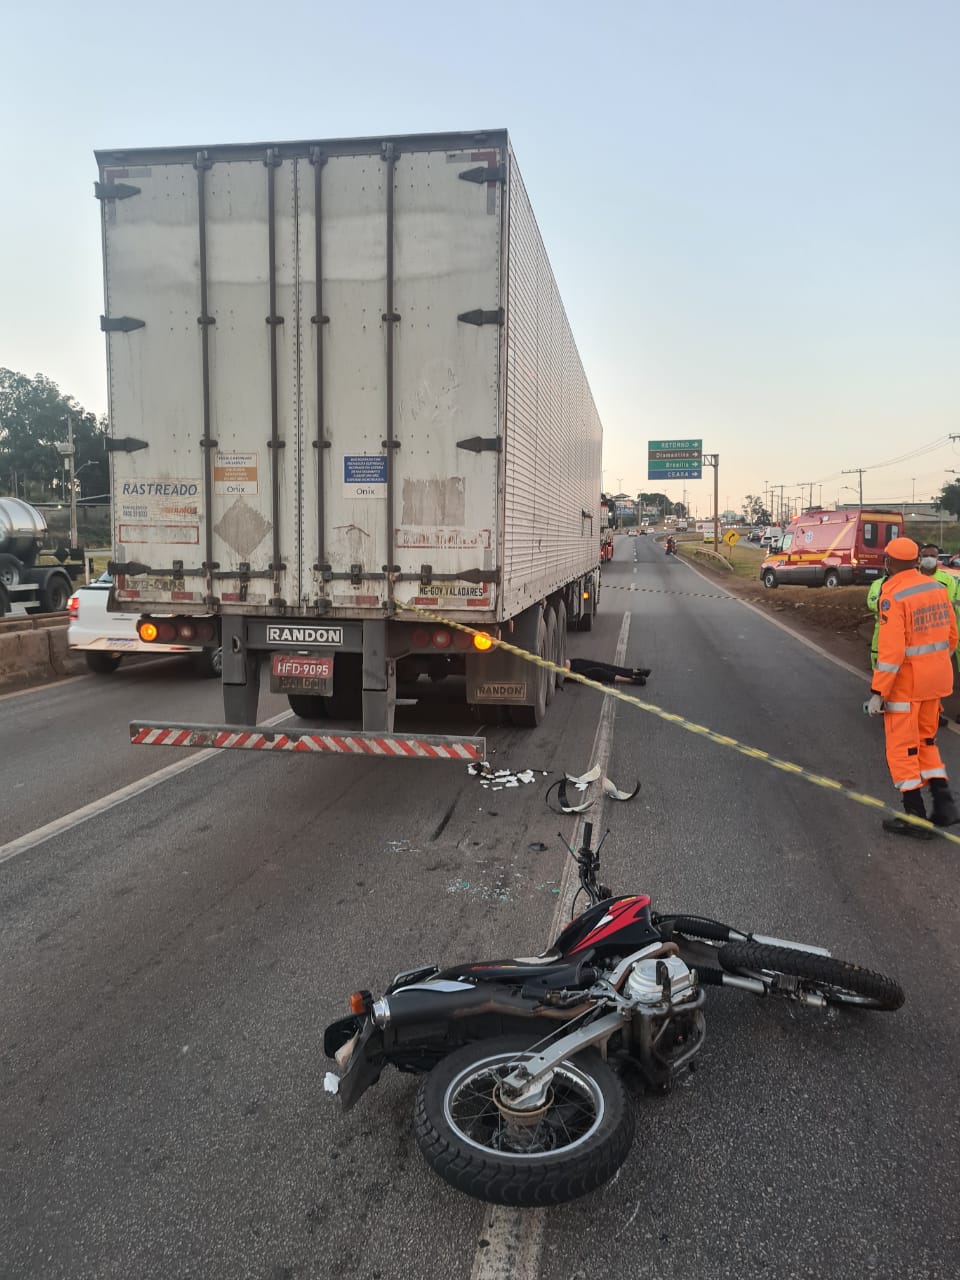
{"x": 291, "y": 673}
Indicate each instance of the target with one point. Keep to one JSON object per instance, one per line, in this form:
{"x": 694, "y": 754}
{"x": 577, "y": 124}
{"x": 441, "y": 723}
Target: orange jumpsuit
{"x": 918, "y": 634}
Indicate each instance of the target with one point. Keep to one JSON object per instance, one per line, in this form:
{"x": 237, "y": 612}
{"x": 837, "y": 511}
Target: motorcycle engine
{"x": 668, "y": 1027}
{"x": 658, "y": 981}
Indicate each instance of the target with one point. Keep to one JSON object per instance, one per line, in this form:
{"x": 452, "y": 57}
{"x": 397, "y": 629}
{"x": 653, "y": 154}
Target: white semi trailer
{"x": 342, "y": 382}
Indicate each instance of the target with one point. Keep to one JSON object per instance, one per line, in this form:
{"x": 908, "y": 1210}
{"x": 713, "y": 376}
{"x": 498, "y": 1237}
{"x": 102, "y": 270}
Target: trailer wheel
{"x": 308, "y": 706}
{"x": 9, "y": 571}
{"x": 209, "y": 663}
{"x": 552, "y": 651}
{"x": 530, "y": 717}
{"x": 561, "y": 641}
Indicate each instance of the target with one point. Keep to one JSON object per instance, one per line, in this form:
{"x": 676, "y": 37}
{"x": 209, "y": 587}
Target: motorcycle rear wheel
{"x": 577, "y": 1145}
{"x": 836, "y": 980}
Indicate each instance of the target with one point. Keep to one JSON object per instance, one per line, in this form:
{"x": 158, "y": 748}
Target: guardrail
{"x": 33, "y": 650}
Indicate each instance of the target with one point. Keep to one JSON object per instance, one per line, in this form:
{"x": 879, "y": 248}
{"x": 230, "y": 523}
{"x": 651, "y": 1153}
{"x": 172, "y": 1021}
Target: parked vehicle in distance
{"x": 106, "y": 637}
{"x": 831, "y": 548}
{"x": 771, "y": 534}
{"x": 681, "y": 526}
{"x": 754, "y": 535}
{"x": 34, "y": 580}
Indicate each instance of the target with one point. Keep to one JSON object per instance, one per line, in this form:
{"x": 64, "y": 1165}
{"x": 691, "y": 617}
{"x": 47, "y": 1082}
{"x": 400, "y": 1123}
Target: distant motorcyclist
{"x": 671, "y": 546}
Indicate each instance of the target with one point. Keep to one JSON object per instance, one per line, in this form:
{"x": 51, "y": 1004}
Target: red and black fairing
{"x": 616, "y": 926}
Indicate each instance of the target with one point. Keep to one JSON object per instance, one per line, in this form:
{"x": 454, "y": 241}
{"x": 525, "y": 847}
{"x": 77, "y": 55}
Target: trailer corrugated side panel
{"x": 274, "y": 447}
{"x": 288, "y": 409}
{"x": 553, "y": 435}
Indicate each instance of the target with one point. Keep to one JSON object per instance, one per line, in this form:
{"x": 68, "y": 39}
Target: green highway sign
{"x": 675, "y": 460}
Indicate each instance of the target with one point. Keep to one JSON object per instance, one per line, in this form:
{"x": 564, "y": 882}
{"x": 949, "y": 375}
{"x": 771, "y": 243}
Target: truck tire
{"x": 208, "y": 663}
{"x": 561, "y": 641}
{"x": 55, "y": 594}
{"x": 308, "y": 706}
{"x": 10, "y": 572}
{"x": 552, "y": 651}
{"x": 102, "y": 663}
{"x": 529, "y": 717}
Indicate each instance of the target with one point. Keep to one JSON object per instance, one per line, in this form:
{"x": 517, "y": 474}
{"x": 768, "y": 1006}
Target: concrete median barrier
{"x": 34, "y": 651}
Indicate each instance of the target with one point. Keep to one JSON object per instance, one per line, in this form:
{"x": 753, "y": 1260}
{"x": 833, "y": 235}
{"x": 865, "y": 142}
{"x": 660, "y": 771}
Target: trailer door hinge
{"x": 481, "y": 444}
{"x": 114, "y": 190}
{"x": 482, "y": 317}
{"x": 125, "y": 444}
{"x": 120, "y": 324}
{"x": 486, "y": 173}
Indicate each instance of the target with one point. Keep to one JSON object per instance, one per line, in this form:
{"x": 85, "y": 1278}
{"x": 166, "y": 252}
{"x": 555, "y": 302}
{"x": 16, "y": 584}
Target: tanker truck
{"x": 32, "y": 580}
{"x": 379, "y": 428}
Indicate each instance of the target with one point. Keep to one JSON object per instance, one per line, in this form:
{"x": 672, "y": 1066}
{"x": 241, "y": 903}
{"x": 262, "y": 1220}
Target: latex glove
{"x": 875, "y": 705}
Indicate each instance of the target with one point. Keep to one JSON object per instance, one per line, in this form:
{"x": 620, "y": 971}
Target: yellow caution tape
{"x": 752, "y": 753}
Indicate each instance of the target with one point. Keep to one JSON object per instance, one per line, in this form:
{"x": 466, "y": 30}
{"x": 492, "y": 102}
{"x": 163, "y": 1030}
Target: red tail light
{"x": 441, "y": 639}
{"x": 73, "y": 607}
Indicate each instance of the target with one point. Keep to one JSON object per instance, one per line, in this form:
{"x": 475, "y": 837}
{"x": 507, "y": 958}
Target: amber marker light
{"x": 482, "y": 642}
{"x": 148, "y": 631}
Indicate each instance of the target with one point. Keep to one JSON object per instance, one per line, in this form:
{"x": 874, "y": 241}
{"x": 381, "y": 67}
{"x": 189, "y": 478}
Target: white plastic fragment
{"x": 613, "y": 791}
{"x": 331, "y": 1082}
{"x": 590, "y": 776}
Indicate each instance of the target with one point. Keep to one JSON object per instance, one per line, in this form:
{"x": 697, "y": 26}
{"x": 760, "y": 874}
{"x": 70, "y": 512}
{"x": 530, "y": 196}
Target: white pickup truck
{"x": 106, "y": 637}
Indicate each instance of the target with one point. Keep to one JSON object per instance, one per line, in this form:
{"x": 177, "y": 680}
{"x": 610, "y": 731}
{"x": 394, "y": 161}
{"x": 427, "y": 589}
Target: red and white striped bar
{"x": 385, "y": 746}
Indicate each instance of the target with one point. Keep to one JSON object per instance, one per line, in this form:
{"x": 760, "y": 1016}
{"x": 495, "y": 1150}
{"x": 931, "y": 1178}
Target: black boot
{"x": 945, "y": 812}
{"x": 913, "y": 804}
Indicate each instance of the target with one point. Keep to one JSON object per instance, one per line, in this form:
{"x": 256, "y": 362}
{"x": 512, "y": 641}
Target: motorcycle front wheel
{"x": 468, "y": 1135}
{"x": 837, "y": 981}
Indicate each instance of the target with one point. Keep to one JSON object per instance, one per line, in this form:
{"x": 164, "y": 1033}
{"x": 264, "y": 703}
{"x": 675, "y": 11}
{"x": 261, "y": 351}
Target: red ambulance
{"x": 831, "y": 548}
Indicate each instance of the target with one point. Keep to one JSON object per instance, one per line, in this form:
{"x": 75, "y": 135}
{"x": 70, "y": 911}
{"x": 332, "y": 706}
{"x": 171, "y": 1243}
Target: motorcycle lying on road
{"x": 522, "y": 1100}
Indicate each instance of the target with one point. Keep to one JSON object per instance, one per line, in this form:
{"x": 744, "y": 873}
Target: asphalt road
{"x": 168, "y": 967}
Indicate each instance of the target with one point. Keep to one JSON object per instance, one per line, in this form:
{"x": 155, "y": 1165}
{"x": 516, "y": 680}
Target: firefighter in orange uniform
{"x": 918, "y": 634}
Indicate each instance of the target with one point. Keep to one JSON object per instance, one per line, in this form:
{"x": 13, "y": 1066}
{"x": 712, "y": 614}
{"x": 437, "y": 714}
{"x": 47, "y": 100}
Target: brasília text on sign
{"x": 675, "y": 460}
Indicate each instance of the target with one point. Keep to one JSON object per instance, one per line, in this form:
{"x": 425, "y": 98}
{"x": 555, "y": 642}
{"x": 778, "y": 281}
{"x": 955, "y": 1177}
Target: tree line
{"x": 34, "y": 418}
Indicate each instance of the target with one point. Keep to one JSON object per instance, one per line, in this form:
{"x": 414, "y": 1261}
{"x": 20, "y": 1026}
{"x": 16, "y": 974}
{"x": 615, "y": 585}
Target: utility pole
{"x": 856, "y": 471}
{"x": 67, "y": 453}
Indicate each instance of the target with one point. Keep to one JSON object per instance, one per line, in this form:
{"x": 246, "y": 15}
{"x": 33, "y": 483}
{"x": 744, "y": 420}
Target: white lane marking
{"x": 97, "y": 807}
{"x": 512, "y": 1238}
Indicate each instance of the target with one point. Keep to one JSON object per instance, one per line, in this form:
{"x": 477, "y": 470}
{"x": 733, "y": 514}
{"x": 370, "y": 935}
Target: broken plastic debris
{"x": 563, "y": 799}
{"x": 613, "y": 791}
{"x": 331, "y": 1082}
{"x": 591, "y": 776}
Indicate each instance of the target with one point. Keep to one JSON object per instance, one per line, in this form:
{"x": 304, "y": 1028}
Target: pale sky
{"x": 752, "y": 207}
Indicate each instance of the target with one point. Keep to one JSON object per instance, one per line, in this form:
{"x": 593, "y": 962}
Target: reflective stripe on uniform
{"x": 896, "y": 706}
{"x": 910, "y": 785}
{"x": 936, "y": 646}
{"x": 918, "y": 589}
{"x": 934, "y": 773}
{"x": 889, "y": 666}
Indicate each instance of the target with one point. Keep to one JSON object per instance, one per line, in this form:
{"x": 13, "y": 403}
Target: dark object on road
{"x": 523, "y": 1100}
{"x": 607, "y": 673}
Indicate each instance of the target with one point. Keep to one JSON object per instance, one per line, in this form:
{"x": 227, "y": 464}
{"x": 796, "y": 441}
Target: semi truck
{"x": 347, "y": 412}
{"x": 32, "y": 579}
